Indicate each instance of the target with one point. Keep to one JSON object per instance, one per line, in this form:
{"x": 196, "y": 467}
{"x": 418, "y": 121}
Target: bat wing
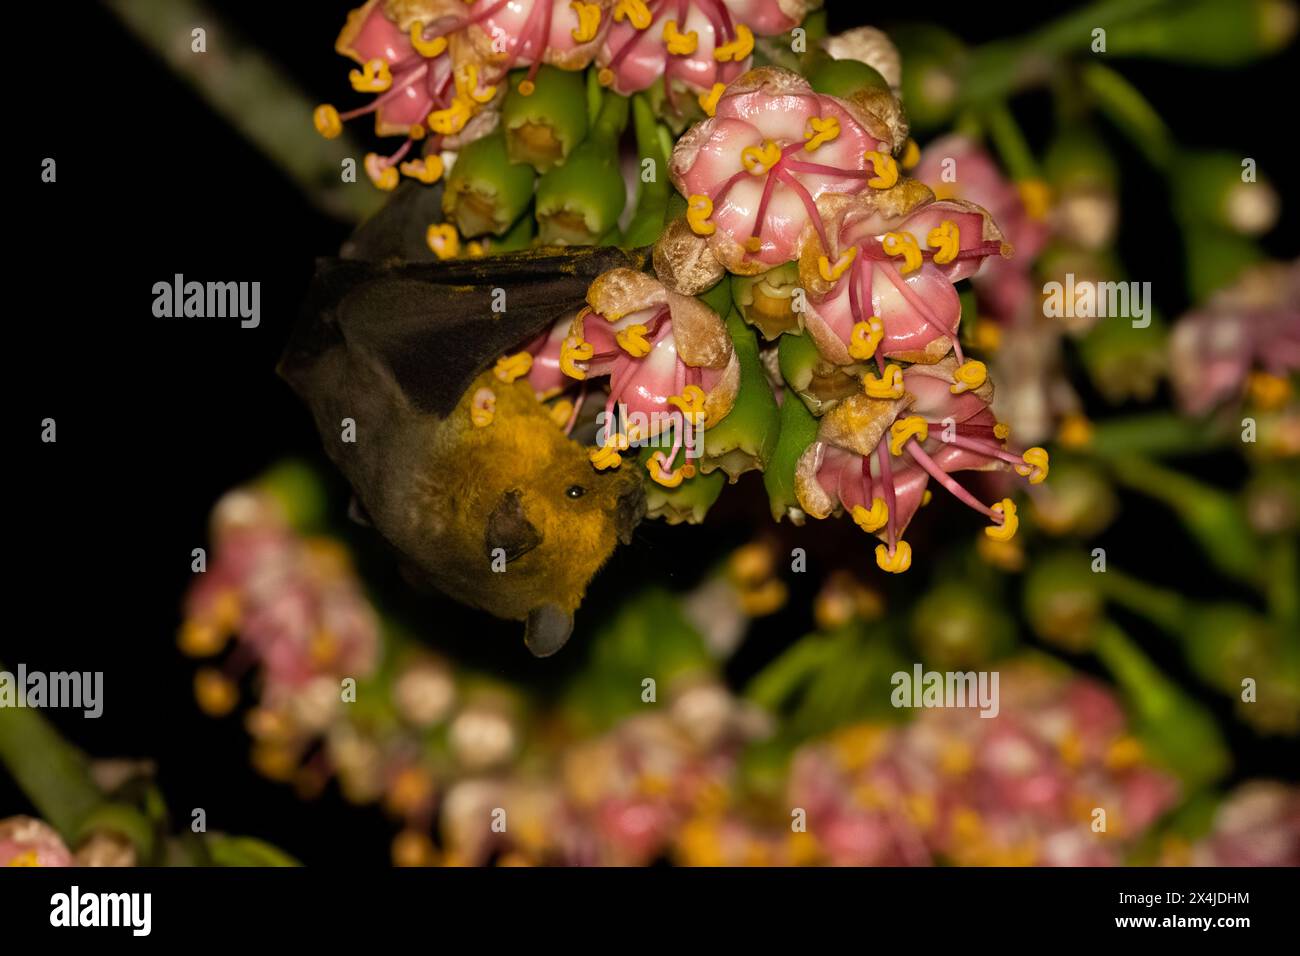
{"x": 433, "y": 327}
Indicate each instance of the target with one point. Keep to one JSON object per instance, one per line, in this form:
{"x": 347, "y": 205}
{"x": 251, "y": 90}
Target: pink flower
{"x": 1257, "y": 825}
{"x": 25, "y": 841}
{"x": 885, "y": 288}
{"x": 422, "y": 89}
{"x": 956, "y": 167}
{"x": 1255, "y": 323}
{"x": 668, "y": 358}
{"x": 517, "y": 33}
{"x": 875, "y": 456}
{"x": 754, "y": 171}
{"x": 691, "y": 43}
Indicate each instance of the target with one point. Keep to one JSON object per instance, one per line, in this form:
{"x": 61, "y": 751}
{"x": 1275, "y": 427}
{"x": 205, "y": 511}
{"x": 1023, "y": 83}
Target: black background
{"x": 157, "y": 418}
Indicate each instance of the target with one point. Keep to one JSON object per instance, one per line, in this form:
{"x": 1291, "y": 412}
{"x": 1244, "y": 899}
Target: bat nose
{"x": 630, "y": 511}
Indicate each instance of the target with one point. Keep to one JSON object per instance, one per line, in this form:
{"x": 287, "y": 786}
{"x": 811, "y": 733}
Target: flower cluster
{"x": 850, "y": 266}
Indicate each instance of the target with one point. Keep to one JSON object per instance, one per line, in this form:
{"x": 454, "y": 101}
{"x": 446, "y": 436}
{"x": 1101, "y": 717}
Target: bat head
{"x": 519, "y": 520}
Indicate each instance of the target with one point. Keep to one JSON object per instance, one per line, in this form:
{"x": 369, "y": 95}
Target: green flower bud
{"x": 1079, "y": 500}
{"x": 798, "y": 430}
{"x": 933, "y": 60}
{"x": 1084, "y": 181}
{"x": 1216, "y": 258}
{"x": 688, "y": 503}
{"x": 485, "y": 191}
{"x": 543, "y": 127}
{"x": 818, "y": 383}
{"x": 1206, "y": 32}
{"x": 959, "y": 625}
{"x": 579, "y": 203}
{"x": 1209, "y": 189}
{"x": 1063, "y": 600}
{"x": 1125, "y": 362}
{"x": 745, "y": 439}
{"x": 843, "y": 78}
{"x": 300, "y": 493}
{"x": 766, "y": 301}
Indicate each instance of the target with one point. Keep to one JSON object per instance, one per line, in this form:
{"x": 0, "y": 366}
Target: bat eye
{"x": 575, "y": 491}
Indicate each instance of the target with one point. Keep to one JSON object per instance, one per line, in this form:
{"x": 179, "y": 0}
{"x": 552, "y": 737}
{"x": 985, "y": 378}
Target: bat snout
{"x": 629, "y": 512}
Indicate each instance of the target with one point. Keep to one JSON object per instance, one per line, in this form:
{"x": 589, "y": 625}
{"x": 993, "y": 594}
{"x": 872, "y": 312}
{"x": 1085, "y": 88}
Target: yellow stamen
{"x": 698, "y": 211}
{"x": 511, "y": 367}
{"x": 911, "y": 154}
{"x": 757, "y": 160}
{"x": 945, "y": 239}
{"x": 326, "y": 120}
{"x": 872, "y": 519}
{"x": 886, "y": 169}
{"x": 753, "y": 244}
{"x": 27, "y": 859}
{"x": 832, "y": 273}
{"x": 483, "y": 407}
{"x": 453, "y": 119}
{"x": 1037, "y": 197}
{"x": 561, "y": 411}
{"x": 1007, "y": 529}
{"x": 607, "y": 456}
{"x": 1002, "y": 431}
{"x": 374, "y": 77}
{"x": 968, "y": 375}
{"x": 526, "y": 87}
{"x": 903, "y": 244}
{"x": 476, "y": 249}
{"x": 573, "y": 351}
{"x": 988, "y": 335}
{"x": 215, "y": 692}
{"x": 669, "y": 479}
{"x": 442, "y": 240}
{"x": 634, "y": 11}
{"x": 678, "y": 43}
{"x": 927, "y": 497}
{"x": 605, "y": 76}
{"x": 632, "y": 340}
{"x": 904, "y": 430}
{"x": 895, "y": 563}
{"x": 1035, "y": 467}
{"x": 738, "y": 48}
{"x": 709, "y": 100}
{"x": 820, "y": 131}
{"x": 426, "y": 48}
{"x": 1267, "y": 392}
{"x": 467, "y": 86}
{"x": 427, "y": 170}
{"x": 865, "y": 338}
{"x": 690, "y": 403}
{"x": 417, "y": 131}
{"x": 1075, "y": 431}
{"x": 381, "y": 174}
{"x": 889, "y": 384}
{"x": 588, "y": 15}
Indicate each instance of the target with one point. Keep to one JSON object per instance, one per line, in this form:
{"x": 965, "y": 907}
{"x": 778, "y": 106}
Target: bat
{"x": 511, "y": 517}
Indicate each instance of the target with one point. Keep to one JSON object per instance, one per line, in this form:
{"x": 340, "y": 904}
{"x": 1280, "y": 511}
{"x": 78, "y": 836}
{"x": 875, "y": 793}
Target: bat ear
{"x": 547, "y": 630}
{"x": 509, "y": 529}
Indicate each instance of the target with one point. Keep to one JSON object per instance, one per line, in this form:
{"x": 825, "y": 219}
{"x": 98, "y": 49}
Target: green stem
{"x": 245, "y": 87}
{"x": 1167, "y": 609}
{"x": 1152, "y": 433}
{"x": 1213, "y": 517}
{"x": 1129, "y": 110}
{"x": 1174, "y": 728}
{"x": 53, "y": 774}
{"x": 1010, "y": 142}
{"x": 652, "y": 203}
